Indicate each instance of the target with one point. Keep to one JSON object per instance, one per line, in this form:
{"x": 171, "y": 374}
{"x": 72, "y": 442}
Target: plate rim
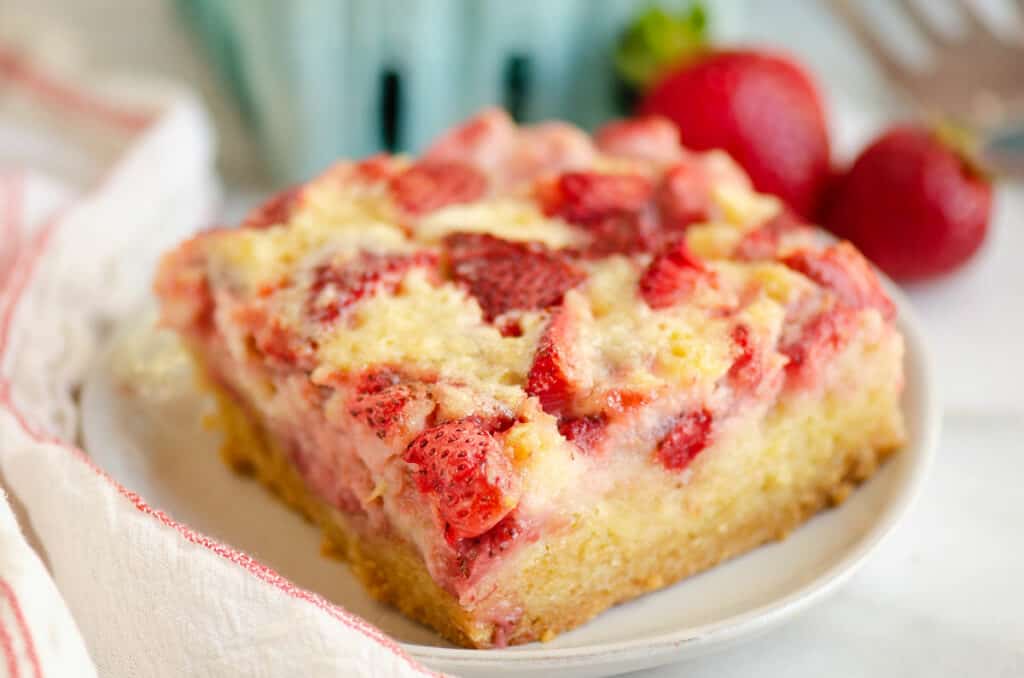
{"x": 918, "y": 359}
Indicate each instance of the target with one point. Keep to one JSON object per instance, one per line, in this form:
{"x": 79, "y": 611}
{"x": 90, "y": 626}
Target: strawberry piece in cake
{"x": 590, "y": 197}
{"x": 505, "y": 276}
{"x": 549, "y": 379}
{"x": 428, "y": 186}
{"x": 531, "y": 376}
{"x": 841, "y": 269}
{"x": 767, "y": 240}
{"x": 464, "y": 471}
{"x": 275, "y": 211}
{"x": 683, "y": 197}
{"x": 650, "y": 138}
{"x": 689, "y": 436}
{"x": 392, "y": 412}
{"x": 672, "y": 276}
{"x": 338, "y": 285}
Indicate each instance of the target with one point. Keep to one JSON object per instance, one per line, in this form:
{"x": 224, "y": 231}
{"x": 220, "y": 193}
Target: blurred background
{"x": 293, "y": 85}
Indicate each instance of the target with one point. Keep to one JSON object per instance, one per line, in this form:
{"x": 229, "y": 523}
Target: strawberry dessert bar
{"x": 533, "y": 374}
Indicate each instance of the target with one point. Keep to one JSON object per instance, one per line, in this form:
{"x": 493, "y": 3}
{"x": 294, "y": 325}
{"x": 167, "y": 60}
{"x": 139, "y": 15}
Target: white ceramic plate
{"x": 141, "y": 420}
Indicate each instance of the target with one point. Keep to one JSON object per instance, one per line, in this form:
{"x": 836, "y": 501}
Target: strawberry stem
{"x": 657, "y": 40}
{"x": 964, "y": 142}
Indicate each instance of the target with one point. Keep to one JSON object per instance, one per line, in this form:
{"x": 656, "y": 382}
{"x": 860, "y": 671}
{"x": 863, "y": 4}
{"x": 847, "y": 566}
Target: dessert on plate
{"x": 533, "y": 374}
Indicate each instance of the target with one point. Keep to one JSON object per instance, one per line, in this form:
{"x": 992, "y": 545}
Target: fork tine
{"x": 976, "y": 27}
{"x": 923, "y": 25}
{"x": 894, "y": 69}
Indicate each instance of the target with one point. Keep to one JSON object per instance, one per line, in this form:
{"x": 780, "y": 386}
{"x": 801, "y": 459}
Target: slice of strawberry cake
{"x": 533, "y": 374}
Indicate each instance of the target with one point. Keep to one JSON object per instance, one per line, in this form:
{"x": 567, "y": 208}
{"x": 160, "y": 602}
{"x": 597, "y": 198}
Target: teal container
{"x": 320, "y": 79}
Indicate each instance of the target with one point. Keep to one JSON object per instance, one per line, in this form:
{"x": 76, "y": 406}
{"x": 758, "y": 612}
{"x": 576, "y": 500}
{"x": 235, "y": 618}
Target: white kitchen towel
{"x": 96, "y": 178}
{"x": 37, "y": 634}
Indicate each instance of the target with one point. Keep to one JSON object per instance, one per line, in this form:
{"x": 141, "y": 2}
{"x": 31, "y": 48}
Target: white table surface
{"x": 944, "y": 595}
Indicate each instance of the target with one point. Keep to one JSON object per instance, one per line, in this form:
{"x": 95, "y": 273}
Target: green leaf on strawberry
{"x": 658, "y": 39}
{"x": 759, "y": 106}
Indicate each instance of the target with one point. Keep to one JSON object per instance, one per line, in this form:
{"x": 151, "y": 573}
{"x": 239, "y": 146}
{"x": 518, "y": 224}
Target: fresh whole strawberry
{"x": 463, "y": 468}
{"x": 759, "y": 106}
{"x": 913, "y": 204}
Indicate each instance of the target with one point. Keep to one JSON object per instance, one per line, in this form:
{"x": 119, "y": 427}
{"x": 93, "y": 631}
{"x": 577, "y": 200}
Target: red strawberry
{"x": 841, "y": 269}
{"x": 274, "y": 211}
{"x": 762, "y": 109}
{"x": 271, "y": 341}
{"x": 763, "y": 242}
{"x": 463, "y": 468}
{"x": 627, "y": 233}
{"x": 391, "y": 412}
{"x": 469, "y": 553}
{"x": 690, "y": 434}
{"x": 589, "y": 197}
{"x": 912, "y": 204}
{"x": 615, "y": 209}
{"x": 510, "y": 155}
{"x": 376, "y": 380}
{"x": 652, "y": 138}
{"x": 183, "y": 286}
{"x": 818, "y": 341}
{"x": 671, "y": 276}
{"x": 481, "y": 141}
{"x": 745, "y": 372}
{"x": 684, "y": 197}
{"x": 548, "y": 378}
{"x": 338, "y": 285}
{"x": 375, "y": 168}
{"x": 505, "y": 276}
{"x": 428, "y": 186}
{"x": 283, "y": 347}
{"x": 585, "y": 432}
{"x": 623, "y": 399}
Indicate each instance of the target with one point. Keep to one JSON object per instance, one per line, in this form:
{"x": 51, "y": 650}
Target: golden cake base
{"x": 753, "y": 486}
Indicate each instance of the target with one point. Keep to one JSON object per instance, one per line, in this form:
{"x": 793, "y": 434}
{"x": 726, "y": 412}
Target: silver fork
{"x": 975, "y": 78}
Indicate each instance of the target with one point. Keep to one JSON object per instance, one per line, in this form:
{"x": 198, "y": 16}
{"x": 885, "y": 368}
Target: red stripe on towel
{"x": 11, "y": 205}
{"x": 8, "y": 649}
{"x": 26, "y": 633}
{"x": 48, "y": 88}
